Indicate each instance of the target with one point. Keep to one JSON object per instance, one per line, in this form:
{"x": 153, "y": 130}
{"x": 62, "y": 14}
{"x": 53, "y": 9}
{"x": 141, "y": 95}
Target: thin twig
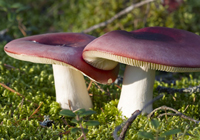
{"x": 99, "y": 87}
{"x": 177, "y": 113}
{"x": 182, "y": 90}
{"x": 80, "y": 137}
{"x": 152, "y": 101}
{"x": 10, "y": 67}
{"x": 12, "y": 90}
{"x": 36, "y": 110}
{"x": 130, "y": 120}
{"x": 89, "y": 85}
{"x": 186, "y": 108}
{"x": 121, "y": 13}
{"x": 63, "y": 133}
{"x": 118, "y": 86}
{"x": 22, "y": 28}
{"x": 64, "y": 121}
{"x": 21, "y": 103}
{"x": 128, "y": 123}
{"x": 17, "y": 123}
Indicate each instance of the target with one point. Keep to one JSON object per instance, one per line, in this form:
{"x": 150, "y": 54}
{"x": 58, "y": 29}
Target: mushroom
{"x": 144, "y": 51}
{"x": 64, "y": 52}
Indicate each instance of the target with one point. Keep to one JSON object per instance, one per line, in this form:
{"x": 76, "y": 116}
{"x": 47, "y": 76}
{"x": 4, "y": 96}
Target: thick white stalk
{"x": 70, "y": 87}
{"x": 137, "y": 90}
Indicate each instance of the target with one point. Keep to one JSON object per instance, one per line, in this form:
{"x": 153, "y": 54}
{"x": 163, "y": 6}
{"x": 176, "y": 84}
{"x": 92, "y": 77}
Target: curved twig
{"x": 123, "y": 12}
{"x": 130, "y": 120}
{"x": 182, "y": 90}
{"x": 177, "y": 113}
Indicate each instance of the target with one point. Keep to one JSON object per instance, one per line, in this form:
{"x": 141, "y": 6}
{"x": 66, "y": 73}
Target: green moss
{"x": 36, "y": 83}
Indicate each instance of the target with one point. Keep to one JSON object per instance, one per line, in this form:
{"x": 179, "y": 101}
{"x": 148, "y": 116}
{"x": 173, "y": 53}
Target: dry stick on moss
{"x": 89, "y": 85}
{"x": 177, "y": 113}
{"x": 10, "y": 67}
{"x": 182, "y": 90}
{"x": 21, "y": 103}
{"x": 81, "y": 137}
{"x": 64, "y": 121}
{"x": 186, "y": 108}
{"x": 12, "y": 90}
{"x": 32, "y": 113}
{"x": 123, "y": 12}
{"x": 36, "y": 110}
{"x": 118, "y": 86}
{"x": 127, "y": 124}
{"x": 130, "y": 120}
{"x": 22, "y": 28}
{"x": 64, "y": 133}
{"x": 17, "y": 123}
{"x": 108, "y": 93}
{"x": 102, "y": 90}
{"x": 99, "y": 87}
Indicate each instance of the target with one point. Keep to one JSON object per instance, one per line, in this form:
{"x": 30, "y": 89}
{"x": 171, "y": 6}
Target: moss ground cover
{"x": 20, "y": 116}
{"x": 35, "y": 83}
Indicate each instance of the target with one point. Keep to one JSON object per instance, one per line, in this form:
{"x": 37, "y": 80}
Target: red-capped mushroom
{"x": 144, "y": 51}
{"x": 64, "y": 51}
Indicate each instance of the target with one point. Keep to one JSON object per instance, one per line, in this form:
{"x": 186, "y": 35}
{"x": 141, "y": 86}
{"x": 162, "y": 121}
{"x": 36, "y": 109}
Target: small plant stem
{"x": 78, "y": 118}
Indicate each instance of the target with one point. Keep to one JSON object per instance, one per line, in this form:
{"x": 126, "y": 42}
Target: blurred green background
{"x": 27, "y": 17}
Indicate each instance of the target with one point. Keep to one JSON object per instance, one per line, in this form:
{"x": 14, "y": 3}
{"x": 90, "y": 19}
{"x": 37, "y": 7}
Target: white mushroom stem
{"x": 71, "y": 91}
{"x": 137, "y": 90}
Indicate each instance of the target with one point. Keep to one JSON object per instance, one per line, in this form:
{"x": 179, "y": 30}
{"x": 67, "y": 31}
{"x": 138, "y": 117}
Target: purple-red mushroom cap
{"x": 64, "y": 52}
{"x": 62, "y": 49}
{"x": 158, "y": 48}
{"x": 144, "y": 51}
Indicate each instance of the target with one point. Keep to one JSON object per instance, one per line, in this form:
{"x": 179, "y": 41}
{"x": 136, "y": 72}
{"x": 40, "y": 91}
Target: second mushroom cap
{"x": 144, "y": 51}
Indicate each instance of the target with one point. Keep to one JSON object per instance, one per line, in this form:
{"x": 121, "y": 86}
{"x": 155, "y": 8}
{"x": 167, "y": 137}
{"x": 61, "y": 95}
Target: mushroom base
{"x": 137, "y": 90}
{"x": 71, "y": 91}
